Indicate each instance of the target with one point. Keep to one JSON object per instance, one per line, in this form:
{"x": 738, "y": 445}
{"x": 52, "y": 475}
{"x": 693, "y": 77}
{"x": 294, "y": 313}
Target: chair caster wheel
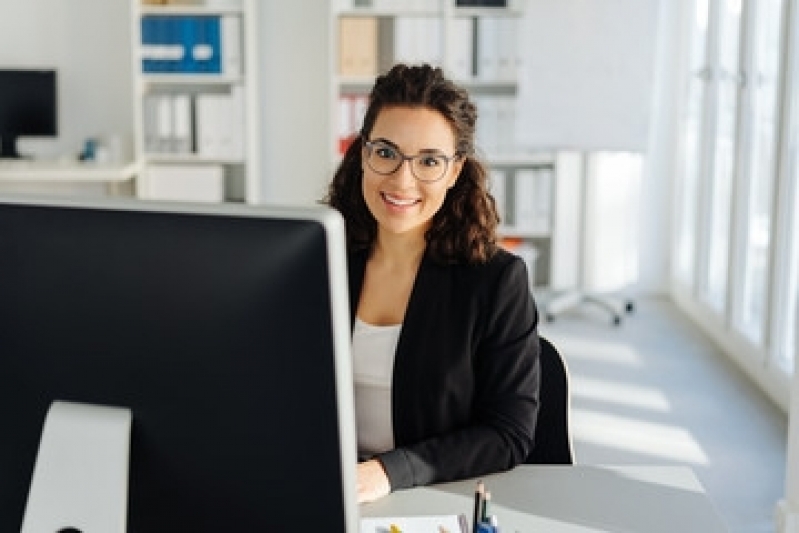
{"x": 630, "y": 307}
{"x": 616, "y": 320}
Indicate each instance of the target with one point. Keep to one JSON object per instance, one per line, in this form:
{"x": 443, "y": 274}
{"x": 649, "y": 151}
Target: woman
{"x": 445, "y": 342}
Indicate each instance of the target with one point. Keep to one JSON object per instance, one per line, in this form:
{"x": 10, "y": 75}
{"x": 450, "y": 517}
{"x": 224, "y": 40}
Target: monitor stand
{"x": 8, "y": 148}
{"x": 80, "y": 480}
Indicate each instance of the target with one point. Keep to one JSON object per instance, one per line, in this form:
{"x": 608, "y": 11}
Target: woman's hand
{"x": 372, "y": 481}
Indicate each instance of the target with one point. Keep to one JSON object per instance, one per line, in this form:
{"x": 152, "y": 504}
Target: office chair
{"x": 552, "y": 436}
{"x": 563, "y": 302}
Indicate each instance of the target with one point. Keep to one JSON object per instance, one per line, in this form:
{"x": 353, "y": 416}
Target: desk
{"x": 43, "y": 175}
{"x": 27, "y": 171}
{"x": 572, "y": 499}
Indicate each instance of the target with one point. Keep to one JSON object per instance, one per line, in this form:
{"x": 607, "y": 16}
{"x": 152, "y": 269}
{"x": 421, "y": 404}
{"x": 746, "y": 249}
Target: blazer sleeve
{"x": 487, "y": 346}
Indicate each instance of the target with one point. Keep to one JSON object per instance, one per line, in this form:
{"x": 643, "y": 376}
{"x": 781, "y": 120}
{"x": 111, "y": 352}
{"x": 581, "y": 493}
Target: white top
{"x": 373, "y": 350}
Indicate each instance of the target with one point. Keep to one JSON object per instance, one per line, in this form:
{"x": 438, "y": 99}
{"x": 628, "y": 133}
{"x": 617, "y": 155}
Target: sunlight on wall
{"x": 659, "y": 441}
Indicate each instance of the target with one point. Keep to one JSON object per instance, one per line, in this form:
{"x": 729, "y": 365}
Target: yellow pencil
{"x": 394, "y": 529}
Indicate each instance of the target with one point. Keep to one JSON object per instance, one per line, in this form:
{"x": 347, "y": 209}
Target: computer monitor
{"x": 28, "y": 107}
{"x": 223, "y": 328}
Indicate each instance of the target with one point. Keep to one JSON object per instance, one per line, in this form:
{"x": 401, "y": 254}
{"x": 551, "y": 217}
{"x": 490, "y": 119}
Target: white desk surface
{"x": 55, "y": 171}
{"x": 571, "y": 499}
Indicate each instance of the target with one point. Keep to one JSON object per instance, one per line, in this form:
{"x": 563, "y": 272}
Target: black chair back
{"x": 552, "y": 435}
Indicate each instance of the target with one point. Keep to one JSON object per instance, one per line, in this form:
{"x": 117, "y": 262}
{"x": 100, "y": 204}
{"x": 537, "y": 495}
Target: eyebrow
{"x": 422, "y": 151}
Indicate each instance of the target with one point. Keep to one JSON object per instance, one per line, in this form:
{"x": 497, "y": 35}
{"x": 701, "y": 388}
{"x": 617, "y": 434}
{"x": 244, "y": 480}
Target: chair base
{"x": 568, "y": 300}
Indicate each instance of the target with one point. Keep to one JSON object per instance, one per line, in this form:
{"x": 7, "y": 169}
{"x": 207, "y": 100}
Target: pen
{"x": 479, "y": 493}
{"x": 484, "y": 510}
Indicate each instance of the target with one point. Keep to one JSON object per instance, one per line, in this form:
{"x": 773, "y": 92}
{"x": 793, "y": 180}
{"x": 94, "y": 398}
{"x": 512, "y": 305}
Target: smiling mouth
{"x": 399, "y": 202}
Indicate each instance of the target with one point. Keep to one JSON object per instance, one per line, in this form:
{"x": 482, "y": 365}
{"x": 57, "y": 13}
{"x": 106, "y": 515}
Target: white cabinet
{"x": 476, "y": 43}
{"x": 195, "y": 94}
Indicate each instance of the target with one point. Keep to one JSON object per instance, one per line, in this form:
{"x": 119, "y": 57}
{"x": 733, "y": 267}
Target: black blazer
{"x": 466, "y": 371}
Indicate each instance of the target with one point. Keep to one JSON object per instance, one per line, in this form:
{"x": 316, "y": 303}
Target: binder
{"x": 150, "y": 123}
{"x": 213, "y": 35}
{"x": 208, "y": 124}
{"x": 182, "y": 124}
{"x": 505, "y": 116}
{"x": 352, "y": 109}
{"x": 418, "y": 39}
{"x": 497, "y": 188}
{"x": 148, "y": 60}
{"x": 191, "y": 44}
{"x": 533, "y": 200}
{"x": 219, "y": 125}
{"x": 358, "y": 52}
{"x": 488, "y": 30}
{"x": 186, "y": 26}
{"x": 405, "y": 38}
{"x": 487, "y": 133}
{"x": 164, "y": 125}
{"x": 507, "y": 48}
{"x": 345, "y": 122}
{"x": 463, "y": 50}
{"x": 236, "y": 118}
{"x": 162, "y": 47}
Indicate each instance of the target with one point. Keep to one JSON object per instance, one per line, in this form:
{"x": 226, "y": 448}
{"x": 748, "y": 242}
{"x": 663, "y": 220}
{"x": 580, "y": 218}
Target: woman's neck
{"x": 399, "y": 250}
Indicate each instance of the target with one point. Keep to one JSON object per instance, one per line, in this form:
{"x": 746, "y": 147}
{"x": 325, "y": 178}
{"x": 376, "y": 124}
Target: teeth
{"x": 399, "y": 201}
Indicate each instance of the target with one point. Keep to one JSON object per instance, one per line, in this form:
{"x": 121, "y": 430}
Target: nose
{"x": 404, "y": 174}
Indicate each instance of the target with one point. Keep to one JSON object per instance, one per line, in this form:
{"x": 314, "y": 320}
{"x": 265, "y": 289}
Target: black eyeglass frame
{"x": 371, "y": 145}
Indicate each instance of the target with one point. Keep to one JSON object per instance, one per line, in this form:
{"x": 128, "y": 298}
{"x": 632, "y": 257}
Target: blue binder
{"x": 181, "y": 44}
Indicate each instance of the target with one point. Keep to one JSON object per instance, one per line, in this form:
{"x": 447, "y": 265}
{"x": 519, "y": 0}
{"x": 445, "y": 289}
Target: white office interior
{"x": 695, "y": 102}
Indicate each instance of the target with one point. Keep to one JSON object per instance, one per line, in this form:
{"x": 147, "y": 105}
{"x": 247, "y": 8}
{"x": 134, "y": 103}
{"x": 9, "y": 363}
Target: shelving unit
{"x": 195, "y": 96}
{"x": 477, "y": 46}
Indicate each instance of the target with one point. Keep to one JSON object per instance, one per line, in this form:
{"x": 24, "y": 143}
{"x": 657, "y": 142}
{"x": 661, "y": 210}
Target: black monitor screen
{"x": 28, "y": 106}
{"x": 218, "y": 330}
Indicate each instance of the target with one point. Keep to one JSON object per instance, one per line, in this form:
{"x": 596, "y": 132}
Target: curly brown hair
{"x": 464, "y": 229}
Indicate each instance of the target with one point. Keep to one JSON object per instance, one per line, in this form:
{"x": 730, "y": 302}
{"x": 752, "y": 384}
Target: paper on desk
{"x": 416, "y": 524}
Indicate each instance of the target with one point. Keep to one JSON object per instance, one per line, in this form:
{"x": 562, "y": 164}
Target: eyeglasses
{"x": 386, "y": 159}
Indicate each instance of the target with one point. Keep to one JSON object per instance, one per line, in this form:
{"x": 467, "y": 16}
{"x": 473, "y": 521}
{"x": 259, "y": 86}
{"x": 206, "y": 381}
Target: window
{"x": 737, "y": 227}
{"x": 691, "y": 146}
{"x": 727, "y": 78}
{"x": 764, "y": 83}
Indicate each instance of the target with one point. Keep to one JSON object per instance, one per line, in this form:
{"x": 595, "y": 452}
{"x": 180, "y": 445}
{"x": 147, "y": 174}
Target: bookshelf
{"x": 195, "y": 98}
{"x": 476, "y": 43}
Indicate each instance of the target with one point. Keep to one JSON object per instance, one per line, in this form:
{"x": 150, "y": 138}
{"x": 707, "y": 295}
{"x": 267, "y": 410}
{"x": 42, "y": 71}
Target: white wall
{"x": 88, "y": 41}
{"x": 295, "y": 83}
{"x": 602, "y": 76}
{"x": 660, "y": 165}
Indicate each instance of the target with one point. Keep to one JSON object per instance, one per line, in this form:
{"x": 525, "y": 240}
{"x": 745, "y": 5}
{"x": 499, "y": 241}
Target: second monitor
{"x": 28, "y": 107}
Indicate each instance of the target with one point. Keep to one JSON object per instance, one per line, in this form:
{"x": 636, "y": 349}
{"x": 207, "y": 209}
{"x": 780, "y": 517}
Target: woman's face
{"x": 401, "y": 203}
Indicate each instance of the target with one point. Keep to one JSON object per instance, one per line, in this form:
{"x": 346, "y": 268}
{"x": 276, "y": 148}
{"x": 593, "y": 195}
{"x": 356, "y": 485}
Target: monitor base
{"x": 8, "y": 148}
{"x": 80, "y": 480}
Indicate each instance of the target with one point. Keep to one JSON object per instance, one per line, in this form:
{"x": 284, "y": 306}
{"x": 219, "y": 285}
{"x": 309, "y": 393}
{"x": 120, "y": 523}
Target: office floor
{"x": 657, "y": 391}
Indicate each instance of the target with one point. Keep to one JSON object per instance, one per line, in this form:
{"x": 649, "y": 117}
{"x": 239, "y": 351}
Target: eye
{"x": 430, "y": 161}
{"x": 385, "y": 152}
